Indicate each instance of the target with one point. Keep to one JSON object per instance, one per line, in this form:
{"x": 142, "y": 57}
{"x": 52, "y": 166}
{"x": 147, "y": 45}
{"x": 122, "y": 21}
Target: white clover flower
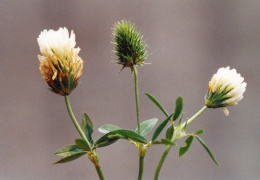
{"x": 226, "y": 88}
{"x": 60, "y": 64}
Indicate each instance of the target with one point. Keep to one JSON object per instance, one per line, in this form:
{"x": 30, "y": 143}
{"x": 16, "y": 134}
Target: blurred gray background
{"x": 189, "y": 41}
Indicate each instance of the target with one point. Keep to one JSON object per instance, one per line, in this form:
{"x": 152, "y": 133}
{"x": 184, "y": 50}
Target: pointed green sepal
{"x": 108, "y": 128}
{"x": 160, "y": 128}
{"x": 147, "y": 126}
{"x": 156, "y": 103}
{"x": 87, "y": 126}
{"x": 178, "y": 108}
{"x": 185, "y": 126}
{"x": 185, "y": 148}
{"x": 208, "y": 150}
{"x": 82, "y": 144}
{"x": 169, "y": 132}
{"x": 179, "y": 124}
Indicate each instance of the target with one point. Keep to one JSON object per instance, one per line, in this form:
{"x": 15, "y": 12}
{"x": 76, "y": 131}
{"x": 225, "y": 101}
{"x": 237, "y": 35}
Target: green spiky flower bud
{"x": 130, "y": 48}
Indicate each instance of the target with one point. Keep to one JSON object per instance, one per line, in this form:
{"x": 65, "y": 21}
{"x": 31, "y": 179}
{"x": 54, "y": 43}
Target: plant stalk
{"x": 159, "y": 166}
{"x": 75, "y": 122}
{"x": 93, "y": 157}
{"x": 100, "y": 173}
{"x": 137, "y": 99}
{"x": 141, "y": 156}
{"x": 197, "y": 114}
{"x": 93, "y": 154}
{"x": 141, "y": 167}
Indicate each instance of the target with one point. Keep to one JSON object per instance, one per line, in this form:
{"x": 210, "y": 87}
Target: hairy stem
{"x": 137, "y": 99}
{"x": 140, "y": 148}
{"x": 197, "y": 114}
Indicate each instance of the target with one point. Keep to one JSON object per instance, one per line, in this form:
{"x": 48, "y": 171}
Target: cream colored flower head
{"x": 60, "y": 64}
{"x": 226, "y": 88}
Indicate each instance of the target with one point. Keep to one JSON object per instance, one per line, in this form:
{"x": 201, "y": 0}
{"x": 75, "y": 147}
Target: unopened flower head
{"x": 60, "y": 65}
{"x": 130, "y": 48}
{"x": 226, "y": 88}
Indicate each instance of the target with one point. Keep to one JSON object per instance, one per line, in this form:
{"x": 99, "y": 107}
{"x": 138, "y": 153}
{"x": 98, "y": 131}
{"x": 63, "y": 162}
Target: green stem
{"x": 75, "y": 122}
{"x": 196, "y": 115}
{"x": 95, "y": 160}
{"x": 140, "y": 148}
{"x": 168, "y": 147}
{"x": 158, "y": 169}
{"x": 137, "y": 99}
{"x": 141, "y": 167}
{"x": 100, "y": 173}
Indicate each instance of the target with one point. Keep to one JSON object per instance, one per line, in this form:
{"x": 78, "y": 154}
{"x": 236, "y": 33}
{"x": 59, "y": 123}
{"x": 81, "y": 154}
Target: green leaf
{"x": 131, "y": 135}
{"x": 178, "y": 108}
{"x": 71, "y": 158}
{"x": 169, "y": 132}
{"x": 160, "y": 128}
{"x": 200, "y": 131}
{"x": 168, "y": 142}
{"x": 185, "y": 148}
{"x": 87, "y": 126}
{"x": 208, "y": 150}
{"x": 106, "y": 140}
{"x": 68, "y": 150}
{"x": 108, "y": 128}
{"x": 147, "y": 126}
{"x": 156, "y": 103}
{"x": 82, "y": 144}
{"x": 165, "y": 141}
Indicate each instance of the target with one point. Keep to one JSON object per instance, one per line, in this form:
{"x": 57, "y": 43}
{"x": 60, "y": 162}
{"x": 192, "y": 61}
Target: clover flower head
{"x": 225, "y": 88}
{"x": 60, "y": 65}
{"x": 130, "y": 48}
